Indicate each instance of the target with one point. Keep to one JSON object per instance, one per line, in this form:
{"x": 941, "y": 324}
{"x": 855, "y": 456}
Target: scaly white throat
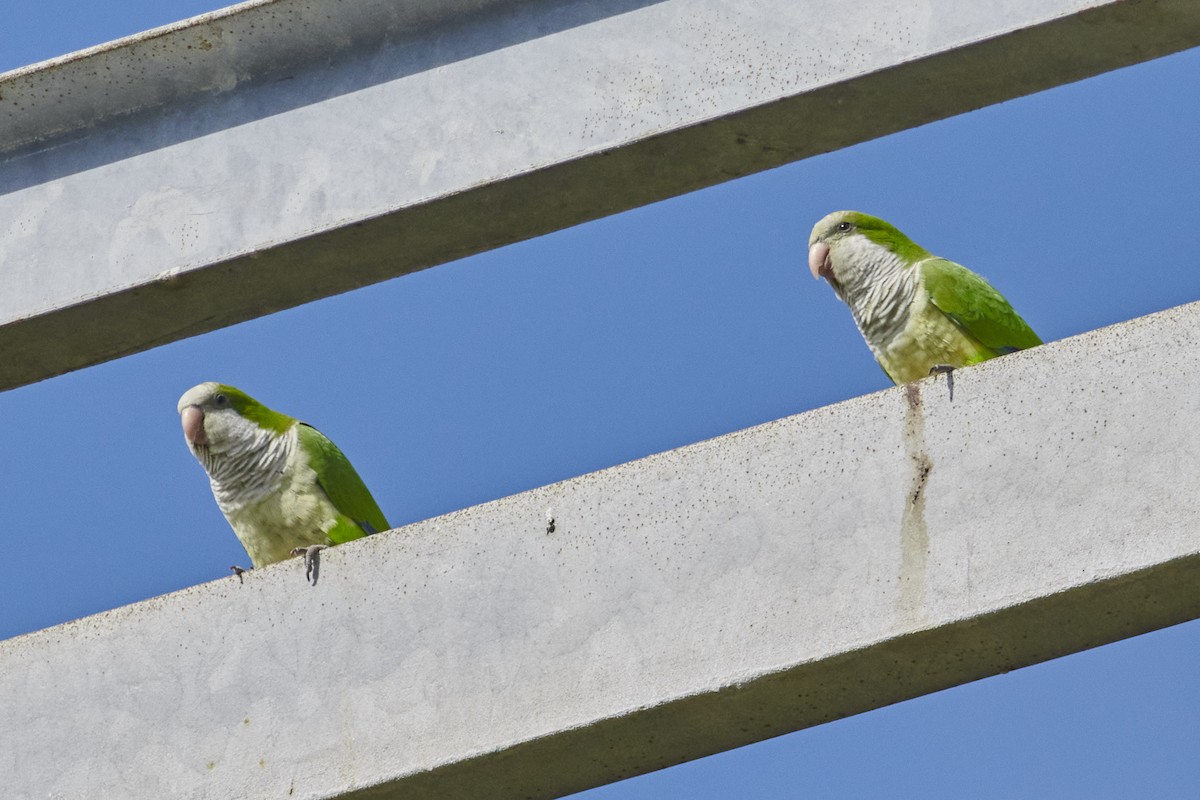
{"x": 246, "y": 463}
{"x": 878, "y": 286}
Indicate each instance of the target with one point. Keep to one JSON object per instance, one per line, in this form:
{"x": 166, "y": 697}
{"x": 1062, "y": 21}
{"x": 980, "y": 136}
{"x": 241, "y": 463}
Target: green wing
{"x": 976, "y": 307}
{"x": 341, "y": 483}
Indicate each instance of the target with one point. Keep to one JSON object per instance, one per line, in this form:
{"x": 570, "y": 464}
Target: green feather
{"x": 255, "y": 411}
{"x": 976, "y": 307}
{"x": 887, "y": 236}
{"x": 344, "y": 487}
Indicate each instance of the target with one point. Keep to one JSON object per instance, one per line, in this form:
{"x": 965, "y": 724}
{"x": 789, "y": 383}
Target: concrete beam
{"x": 693, "y": 601}
{"x": 281, "y": 151}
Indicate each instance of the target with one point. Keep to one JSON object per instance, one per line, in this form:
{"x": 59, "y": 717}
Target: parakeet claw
{"x": 312, "y": 561}
{"x": 948, "y": 371}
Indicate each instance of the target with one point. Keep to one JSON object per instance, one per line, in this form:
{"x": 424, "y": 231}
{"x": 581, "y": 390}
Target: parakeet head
{"x": 218, "y": 419}
{"x": 848, "y": 248}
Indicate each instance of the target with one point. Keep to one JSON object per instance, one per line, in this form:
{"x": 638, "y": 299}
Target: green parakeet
{"x": 919, "y": 313}
{"x": 280, "y": 482}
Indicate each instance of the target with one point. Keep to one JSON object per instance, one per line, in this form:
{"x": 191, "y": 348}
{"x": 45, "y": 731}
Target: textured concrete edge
{"x": 589, "y": 187}
{"x": 212, "y": 51}
{"x": 812, "y": 693}
{"x": 89, "y": 54}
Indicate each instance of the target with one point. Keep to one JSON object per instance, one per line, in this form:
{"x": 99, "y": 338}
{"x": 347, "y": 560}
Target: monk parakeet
{"x": 281, "y": 483}
{"x": 919, "y": 313}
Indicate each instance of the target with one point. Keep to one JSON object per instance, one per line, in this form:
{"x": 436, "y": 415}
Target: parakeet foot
{"x": 948, "y": 371}
{"x": 312, "y": 561}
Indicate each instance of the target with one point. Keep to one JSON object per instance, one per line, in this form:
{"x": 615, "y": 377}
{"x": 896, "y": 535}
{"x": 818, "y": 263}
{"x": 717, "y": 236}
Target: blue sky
{"x": 642, "y": 332}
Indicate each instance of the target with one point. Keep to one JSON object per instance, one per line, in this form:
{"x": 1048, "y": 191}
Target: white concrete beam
{"x": 284, "y": 150}
{"x": 686, "y": 603}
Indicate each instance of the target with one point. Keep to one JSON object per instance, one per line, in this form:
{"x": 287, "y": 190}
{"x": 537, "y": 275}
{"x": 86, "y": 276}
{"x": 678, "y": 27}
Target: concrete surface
{"x": 686, "y": 603}
{"x": 282, "y": 151}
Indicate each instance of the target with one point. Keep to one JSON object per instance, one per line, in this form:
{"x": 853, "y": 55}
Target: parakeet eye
{"x": 221, "y": 399}
{"x": 843, "y": 226}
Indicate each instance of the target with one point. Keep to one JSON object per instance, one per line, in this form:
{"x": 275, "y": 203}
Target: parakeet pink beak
{"x": 193, "y": 425}
{"x": 818, "y": 261}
